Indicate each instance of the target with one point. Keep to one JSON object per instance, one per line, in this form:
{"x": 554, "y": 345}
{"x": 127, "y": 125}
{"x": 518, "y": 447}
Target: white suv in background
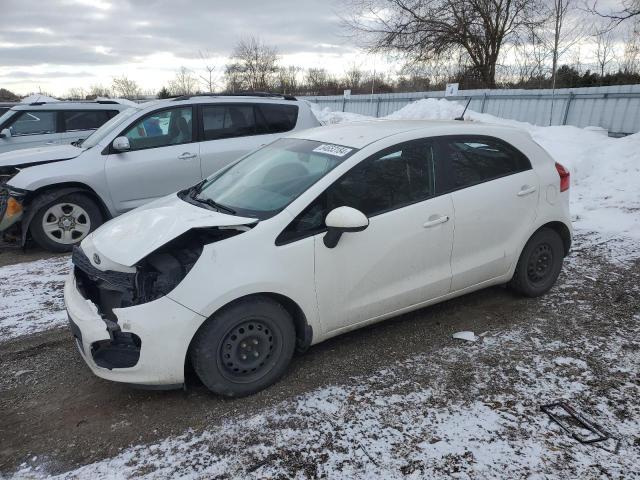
{"x": 56, "y": 123}
{"x": 60, "y": 194}
{"x": 317, "y": 234}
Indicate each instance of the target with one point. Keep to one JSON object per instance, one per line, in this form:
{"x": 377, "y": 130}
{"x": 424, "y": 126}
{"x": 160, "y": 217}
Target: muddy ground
{"x": 53, "y": 411}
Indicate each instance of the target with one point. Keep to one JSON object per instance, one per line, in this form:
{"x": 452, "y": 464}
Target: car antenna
{"x": 461, "y": 117}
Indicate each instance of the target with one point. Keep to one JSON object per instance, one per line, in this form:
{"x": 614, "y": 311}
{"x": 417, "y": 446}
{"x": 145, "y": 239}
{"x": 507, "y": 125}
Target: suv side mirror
{"x": 5, "y": 133}
{"x": 121, "y": 144}
{"x": 341, "y": 220}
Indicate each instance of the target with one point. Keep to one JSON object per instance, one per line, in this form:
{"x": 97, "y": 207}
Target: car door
{"x": 30, "y": 129}
{"x": 163, "y": 158}
{"x": 403, "y": 257}
{"x": 495, "y": 198}
{"x": 230, "y": 130}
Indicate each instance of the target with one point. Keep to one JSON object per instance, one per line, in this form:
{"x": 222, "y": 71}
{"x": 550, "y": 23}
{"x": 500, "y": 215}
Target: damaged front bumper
{"x": 146, "y": 345}
{"x": 11, "y": 207}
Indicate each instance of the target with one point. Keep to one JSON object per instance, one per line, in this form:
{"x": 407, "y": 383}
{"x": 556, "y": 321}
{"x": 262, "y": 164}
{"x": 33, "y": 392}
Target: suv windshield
{"x": 267, "y": 180}
{"x": 95, "y": 138}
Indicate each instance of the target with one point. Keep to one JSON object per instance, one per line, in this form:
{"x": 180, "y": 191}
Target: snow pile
{"x": 328, "y": 117}
{"x": 605, "y": 172}
{"x": 31, "y": 296}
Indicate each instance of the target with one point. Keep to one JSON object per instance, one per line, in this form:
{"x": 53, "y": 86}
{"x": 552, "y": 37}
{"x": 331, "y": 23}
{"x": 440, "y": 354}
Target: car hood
{"x": 28, "y": 157}
{"x": 129, "y": 238}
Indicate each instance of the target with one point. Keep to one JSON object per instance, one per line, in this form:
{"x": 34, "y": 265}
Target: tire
{"x": 244, "y": 348}
{"x": 539, "y": 264}
{"x": 80, "y": 214}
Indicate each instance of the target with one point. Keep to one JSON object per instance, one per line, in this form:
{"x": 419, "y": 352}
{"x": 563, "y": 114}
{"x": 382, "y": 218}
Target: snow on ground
{"x": 31, "y": 296}
{"x": 605, "y": 172}
{"x": 471, "y": 410}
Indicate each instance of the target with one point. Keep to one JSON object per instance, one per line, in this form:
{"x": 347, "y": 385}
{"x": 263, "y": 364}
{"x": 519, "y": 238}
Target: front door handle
{"x": 436, "y": 221}
{"x": 187, "y": 156}
{"x": 526, "y": 190}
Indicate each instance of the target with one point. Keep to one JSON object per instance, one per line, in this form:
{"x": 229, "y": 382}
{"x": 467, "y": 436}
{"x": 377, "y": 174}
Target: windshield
{"x": 267, "y": 180}
{"x": 97, "y": 136}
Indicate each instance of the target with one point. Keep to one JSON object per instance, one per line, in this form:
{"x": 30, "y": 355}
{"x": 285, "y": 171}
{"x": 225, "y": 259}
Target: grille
{"x": 116, "y": 280}
{"x": 4, "y": 197}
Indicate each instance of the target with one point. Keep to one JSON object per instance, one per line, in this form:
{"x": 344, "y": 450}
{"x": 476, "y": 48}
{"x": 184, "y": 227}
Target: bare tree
{"x": 631, "y": 56}
{"x": 254, "y": 65}
{"x": 288, "y": 78}
{"x": 99, "y": 91}
{"x": 564, "y": 34}
{"x": 422, "y": 30}
{"x": 125, "y": 87}
{"x": 604, "y": 52}
{"x": 628, "y": 9}
{"x": 207, "y": 78}
{"x": 353, "y": 77}
{"x": 184, "y": 83}
{"x": 75, "y": 93}
{"x": 317, "y": 79}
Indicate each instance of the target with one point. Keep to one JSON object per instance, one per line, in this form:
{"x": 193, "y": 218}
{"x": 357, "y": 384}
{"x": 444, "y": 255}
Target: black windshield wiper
{"x": 215, "y": 205}
{"x": 77, "y": 143}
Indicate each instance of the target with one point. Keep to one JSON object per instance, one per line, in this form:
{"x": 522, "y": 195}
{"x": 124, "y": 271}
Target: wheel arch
{"x": 562, "y": 230}
{"x": 304, "y": 331}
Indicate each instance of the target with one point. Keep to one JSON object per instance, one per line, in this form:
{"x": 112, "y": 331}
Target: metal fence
{"x": 614, "y": 108}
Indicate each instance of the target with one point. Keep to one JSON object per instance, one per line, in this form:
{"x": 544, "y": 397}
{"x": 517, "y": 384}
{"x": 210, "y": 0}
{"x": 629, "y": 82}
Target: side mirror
{"x": 121, "y": 144}
{"x": 5, "y": 133}
{"x": 341, "y": 220}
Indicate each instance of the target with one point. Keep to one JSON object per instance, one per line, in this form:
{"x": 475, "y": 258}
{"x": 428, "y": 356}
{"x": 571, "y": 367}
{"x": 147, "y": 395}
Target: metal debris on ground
{"x": 576, "y": 425}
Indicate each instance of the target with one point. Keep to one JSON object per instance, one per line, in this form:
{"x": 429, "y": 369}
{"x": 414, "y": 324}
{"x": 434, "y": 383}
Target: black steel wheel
{"x": 245, "y": 347}
{"x": 539, "y": 264}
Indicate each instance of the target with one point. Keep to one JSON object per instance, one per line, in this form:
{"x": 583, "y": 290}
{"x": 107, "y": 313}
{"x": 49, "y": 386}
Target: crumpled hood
{"x": 33, "y": 156}
{"x": 129, "y": 238}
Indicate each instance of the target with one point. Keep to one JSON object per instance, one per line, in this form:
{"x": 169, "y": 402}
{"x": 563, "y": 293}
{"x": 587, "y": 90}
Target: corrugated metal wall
{"x": 615, "y": 108}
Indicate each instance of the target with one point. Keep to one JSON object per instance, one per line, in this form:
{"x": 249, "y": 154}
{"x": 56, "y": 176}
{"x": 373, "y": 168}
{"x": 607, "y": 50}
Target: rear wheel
{"x": 244, "y": 348}
{"x": 65, "y": 222}
{"x": 539, "y": 264}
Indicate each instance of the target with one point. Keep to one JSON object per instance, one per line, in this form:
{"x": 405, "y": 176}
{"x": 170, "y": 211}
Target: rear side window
{"x": 463, "y": 161}
{"x": 276, "y": 118}
{"x": 33, "y": 123}
{"x": 228, "y": 121}
{"x": 84, "y": 120}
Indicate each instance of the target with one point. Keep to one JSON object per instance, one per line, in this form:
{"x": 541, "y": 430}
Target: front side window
{"x": 159, "y": 129}
{"x": 84, "y": 120}
{"x": 465, "y": 160}
{"x": 267, "y": 180}
{"x": 33, "y": 123}
{"x": 393, "y": 178}
{"x": 228, "y": 121}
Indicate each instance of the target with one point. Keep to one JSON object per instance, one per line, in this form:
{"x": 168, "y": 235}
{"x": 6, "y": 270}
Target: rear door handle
{"x": 187, "y": 156}
{"x": 436, "y": 221}
{"x": 526, "y": 190}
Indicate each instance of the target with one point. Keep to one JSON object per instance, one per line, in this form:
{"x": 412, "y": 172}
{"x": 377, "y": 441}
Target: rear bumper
{"x": 147, "y": 346}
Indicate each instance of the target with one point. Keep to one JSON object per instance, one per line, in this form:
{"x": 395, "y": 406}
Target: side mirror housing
{"x": 121, "y": 144}
{"x": 5, "y": 133}
{"x": 342, "y": 220}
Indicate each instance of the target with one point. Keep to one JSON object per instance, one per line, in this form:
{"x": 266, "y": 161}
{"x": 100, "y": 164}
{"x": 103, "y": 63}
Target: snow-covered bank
{"x": 605, "y": 172}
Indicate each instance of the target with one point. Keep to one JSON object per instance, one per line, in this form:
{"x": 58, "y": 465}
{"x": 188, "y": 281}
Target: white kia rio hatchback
{"x": 316, "y": 234}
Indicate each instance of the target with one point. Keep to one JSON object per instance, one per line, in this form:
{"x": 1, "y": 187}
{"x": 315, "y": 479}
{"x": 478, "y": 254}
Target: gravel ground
{"x": 397, "y": 399}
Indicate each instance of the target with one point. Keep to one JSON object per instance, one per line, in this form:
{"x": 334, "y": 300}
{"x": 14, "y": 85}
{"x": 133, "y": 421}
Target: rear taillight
{"x": 564, "y": 177}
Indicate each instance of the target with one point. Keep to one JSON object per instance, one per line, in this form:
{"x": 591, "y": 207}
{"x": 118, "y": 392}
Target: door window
{"x": 160, "y": 129}
{"x": 274, "y": 118}
{"x": 463, "y": 161}
{"x": 396, "y": 177}
{"x": 228, "y": 121}
{"x": 84, "y": 120}
{"x": 33, "y": 123}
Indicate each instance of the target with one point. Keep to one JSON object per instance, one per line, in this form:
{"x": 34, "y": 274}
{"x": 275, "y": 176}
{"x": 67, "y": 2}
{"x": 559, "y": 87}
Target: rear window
{"x": 85, "y": 120}
{"x": 276, "y": 118}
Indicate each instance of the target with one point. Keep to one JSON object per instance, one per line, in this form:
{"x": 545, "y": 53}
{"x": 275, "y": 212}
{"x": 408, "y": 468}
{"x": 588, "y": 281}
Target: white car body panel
{"x": 407, "y": 258}
{"x": 30, "y": 156}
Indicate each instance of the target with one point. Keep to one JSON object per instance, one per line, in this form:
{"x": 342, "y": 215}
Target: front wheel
{"x": 65, "y": 222}
{"x": 539, "y": 264}
{"x": 244, "y": 348}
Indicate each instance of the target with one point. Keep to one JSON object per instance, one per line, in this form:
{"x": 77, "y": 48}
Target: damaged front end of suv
{"x": 11, "y": 204}
{"x": 151, "y": 278}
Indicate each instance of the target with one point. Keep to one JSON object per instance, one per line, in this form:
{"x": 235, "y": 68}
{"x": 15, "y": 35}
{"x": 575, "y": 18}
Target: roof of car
{"x": 362, "y": 133}
{"x": 100, "y": 105}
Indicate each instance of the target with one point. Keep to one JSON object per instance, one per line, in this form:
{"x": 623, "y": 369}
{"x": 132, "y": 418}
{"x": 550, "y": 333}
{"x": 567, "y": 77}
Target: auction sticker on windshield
{"x": 330, "y": 149}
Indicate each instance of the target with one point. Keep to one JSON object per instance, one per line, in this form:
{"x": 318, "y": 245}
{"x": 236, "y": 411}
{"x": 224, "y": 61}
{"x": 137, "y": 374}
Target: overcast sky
{"x": 55, "y": 45}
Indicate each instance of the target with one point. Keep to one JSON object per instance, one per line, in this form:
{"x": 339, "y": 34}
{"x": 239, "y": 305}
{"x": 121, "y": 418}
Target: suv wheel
{"x": 539, "y": 264}
{"x": 244, "y": 348}
{"x": 64, "y": 222}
